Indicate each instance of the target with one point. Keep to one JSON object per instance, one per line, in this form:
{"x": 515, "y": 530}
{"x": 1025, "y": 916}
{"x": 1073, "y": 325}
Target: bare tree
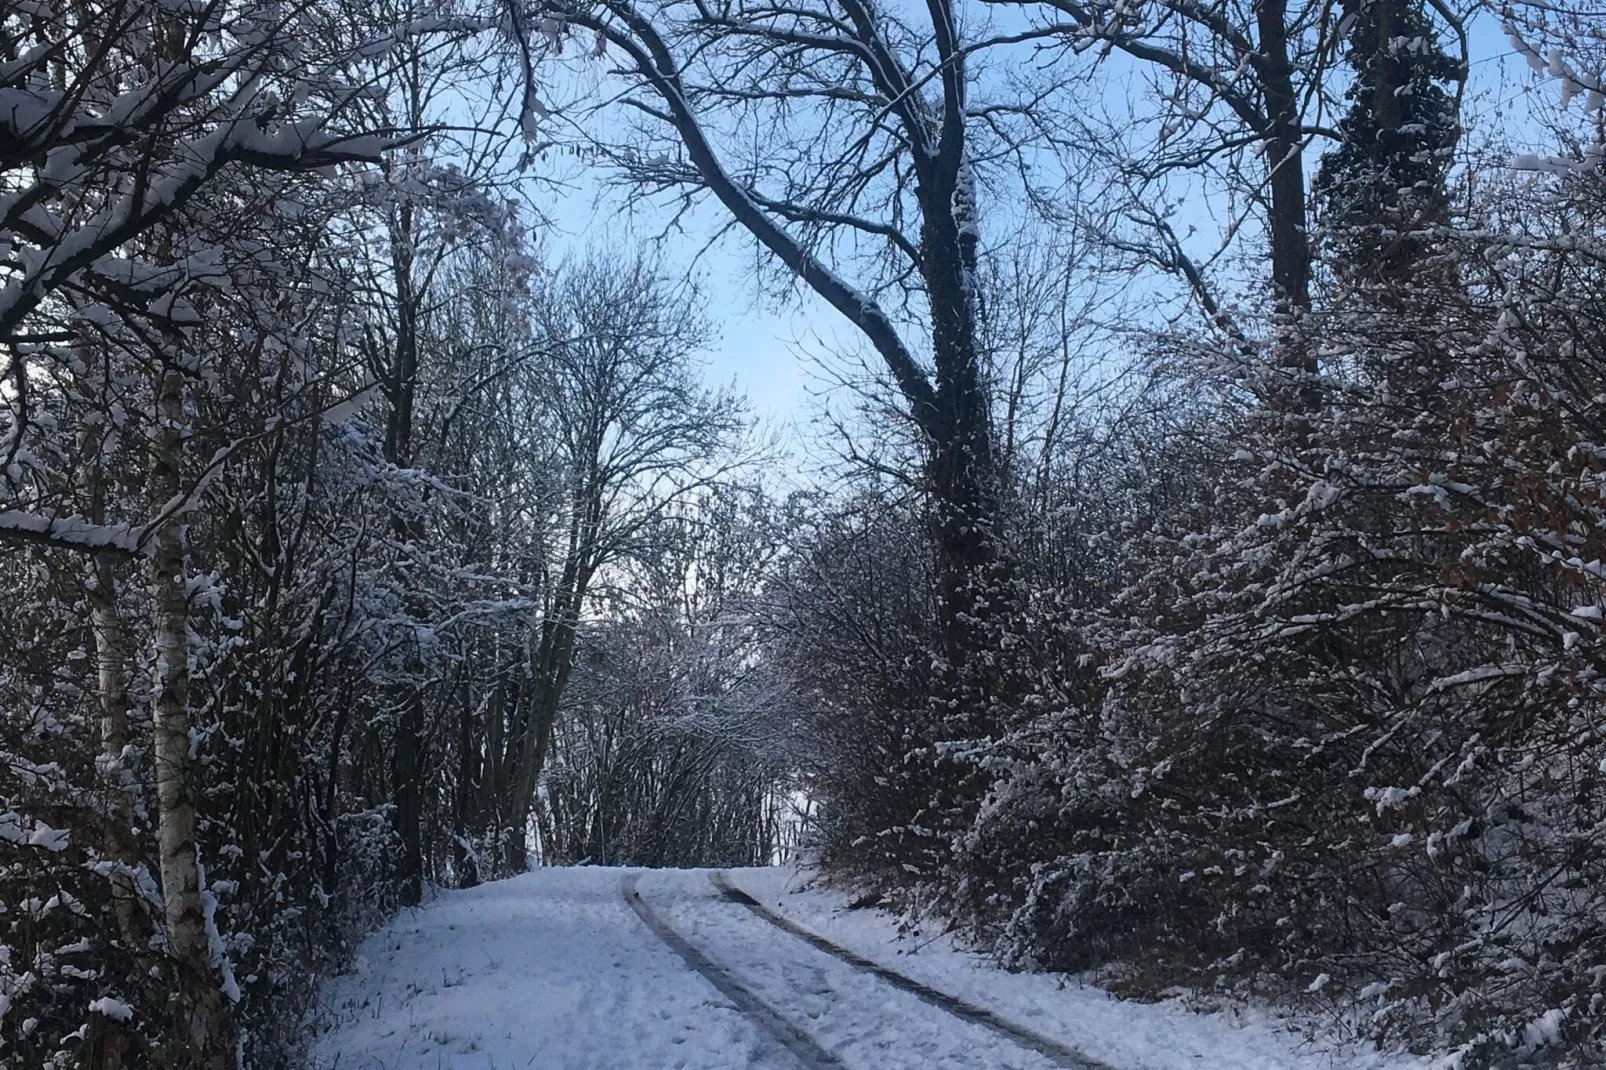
{"x": 445, "y": 189}
{"x": 637, "y": 433}
{"x": 1237, "y": 93}
{"x": 845, "y": 139}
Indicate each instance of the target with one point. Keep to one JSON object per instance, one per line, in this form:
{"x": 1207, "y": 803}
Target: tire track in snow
{"x": 802, "y": 1046}
{"x": 1060, "y": 1054}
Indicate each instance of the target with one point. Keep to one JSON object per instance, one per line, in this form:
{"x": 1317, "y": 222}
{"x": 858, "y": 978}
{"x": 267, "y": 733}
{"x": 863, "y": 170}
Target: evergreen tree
{"x": 1385, "y": 181}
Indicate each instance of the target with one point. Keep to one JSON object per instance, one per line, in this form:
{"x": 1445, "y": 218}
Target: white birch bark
{"x": 203, "y": 1021}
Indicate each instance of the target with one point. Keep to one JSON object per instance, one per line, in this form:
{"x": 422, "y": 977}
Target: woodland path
{"x": 607, "y": 969}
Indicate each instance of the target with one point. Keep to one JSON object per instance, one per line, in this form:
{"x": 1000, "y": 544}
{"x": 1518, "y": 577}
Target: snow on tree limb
{"x": 73, "y": 533}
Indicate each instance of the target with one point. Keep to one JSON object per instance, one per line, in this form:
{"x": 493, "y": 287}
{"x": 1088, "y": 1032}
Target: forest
{"x": 1194, "y": 571}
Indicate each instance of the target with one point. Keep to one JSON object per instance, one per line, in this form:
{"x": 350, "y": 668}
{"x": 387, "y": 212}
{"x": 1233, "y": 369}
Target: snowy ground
{"x": 558, "y": 970}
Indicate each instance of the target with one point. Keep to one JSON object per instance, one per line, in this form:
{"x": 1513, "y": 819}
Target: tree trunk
{"x": 493, "y": 780}
{"x": 112, "y": 661}
{"x": 961, "y": 466}
{"x": 532, "y": 761}
{"x": 331, "y": 796}
{"x": 407, "y": 759}
{"x": 203, "y": 1019}
{"x": 105, "y": 1043}
{"x": 1285, "y": 217}
{"x": 407, "y": 776}
{"x": 106, "y": 1040}
{"x": 553, "y": 663}
{"x": 465, "y": 819}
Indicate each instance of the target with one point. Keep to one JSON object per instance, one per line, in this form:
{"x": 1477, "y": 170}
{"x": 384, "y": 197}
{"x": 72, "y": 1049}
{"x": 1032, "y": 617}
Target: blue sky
{"x": 758, "y": 345}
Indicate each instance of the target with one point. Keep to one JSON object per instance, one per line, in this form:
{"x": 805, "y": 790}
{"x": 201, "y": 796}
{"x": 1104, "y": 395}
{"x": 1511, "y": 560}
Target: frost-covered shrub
{"x": 1349, "y": 740}
{"x": 856, "y": 633}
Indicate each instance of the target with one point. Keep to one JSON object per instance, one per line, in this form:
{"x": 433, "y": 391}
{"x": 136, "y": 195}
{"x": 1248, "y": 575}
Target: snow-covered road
{"x": 566, "y": 969}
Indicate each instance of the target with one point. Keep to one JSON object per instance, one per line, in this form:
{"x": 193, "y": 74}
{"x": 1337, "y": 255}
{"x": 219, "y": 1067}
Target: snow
{"x": 115, "y": 1009}
{"x": 553, "y": 962}
{"x": 41, "y": 835}
{"x": 1126, "y": 1035}
{"x": 349, "y": 408}
{"x": 1544, "y": 1030}
{"x": 214, "y": 939}
{"x": 72, "y": 532}
{"x": 554, "y": 968}
{"x": 48, "y": 838}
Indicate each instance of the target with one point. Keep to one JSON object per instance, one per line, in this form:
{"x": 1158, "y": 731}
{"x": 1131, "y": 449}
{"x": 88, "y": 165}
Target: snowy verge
{"x": 1126, "y": 1034}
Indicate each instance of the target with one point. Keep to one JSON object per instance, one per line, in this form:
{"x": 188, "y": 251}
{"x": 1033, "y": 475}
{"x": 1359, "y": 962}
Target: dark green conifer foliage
{"x": 1385, "y": 181}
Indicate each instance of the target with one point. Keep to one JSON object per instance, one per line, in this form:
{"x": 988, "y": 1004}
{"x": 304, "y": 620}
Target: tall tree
{"x": 1237, "y": 91}
{"x": 845, "y": 139}
{"x": 637, "y": 434}
{"x": 1384, "y": 183}
{"x": 445, "y": 190}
